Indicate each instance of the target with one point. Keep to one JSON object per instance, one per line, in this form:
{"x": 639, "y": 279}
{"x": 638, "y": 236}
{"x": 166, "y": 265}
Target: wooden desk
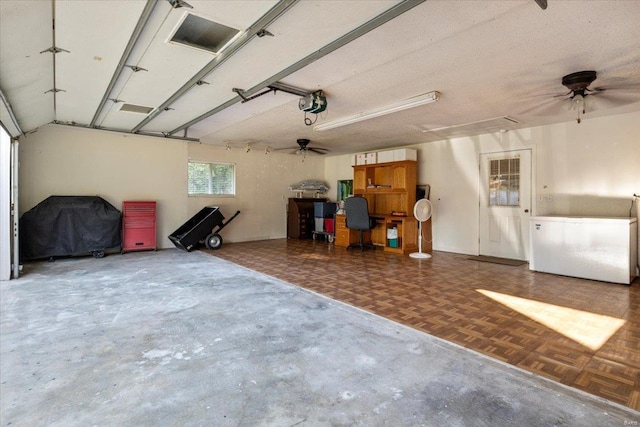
{"x": 407, "y": 233}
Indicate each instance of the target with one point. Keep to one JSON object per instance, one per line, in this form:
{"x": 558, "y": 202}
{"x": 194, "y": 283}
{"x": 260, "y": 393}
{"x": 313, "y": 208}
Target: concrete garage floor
{"x": 176, "y": 338}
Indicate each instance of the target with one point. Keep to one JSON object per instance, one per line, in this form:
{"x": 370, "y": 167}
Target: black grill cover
{"x": 69, "y": 225}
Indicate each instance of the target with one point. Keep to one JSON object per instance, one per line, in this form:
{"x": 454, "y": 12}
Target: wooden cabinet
{"x": 300, "y": 218}
{"x": 407, "y": 240}
{"x": 138, "y": 225}
{"x": 345, "y": 236}
{"x": 379, "y": 233}
{"x": 390, "y": 189}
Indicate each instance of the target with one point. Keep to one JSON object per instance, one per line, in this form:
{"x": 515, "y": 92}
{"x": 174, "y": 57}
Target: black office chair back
{"x": 357, "y": 211}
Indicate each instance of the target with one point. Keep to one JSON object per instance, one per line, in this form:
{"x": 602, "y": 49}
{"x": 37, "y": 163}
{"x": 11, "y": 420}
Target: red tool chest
{"x": 138, "y": 225}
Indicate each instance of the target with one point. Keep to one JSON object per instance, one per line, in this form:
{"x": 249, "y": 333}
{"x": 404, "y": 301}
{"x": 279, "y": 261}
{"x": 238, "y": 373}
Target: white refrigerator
{"x": 594, "y": 248}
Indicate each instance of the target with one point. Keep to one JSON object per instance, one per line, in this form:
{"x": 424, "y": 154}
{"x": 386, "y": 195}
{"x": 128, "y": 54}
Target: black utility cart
{"x": 203, "y": 227}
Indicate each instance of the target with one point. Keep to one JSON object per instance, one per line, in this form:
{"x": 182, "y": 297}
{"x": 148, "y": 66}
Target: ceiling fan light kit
{"x": 578, "y": 83}
{"x": 416, "y": 101}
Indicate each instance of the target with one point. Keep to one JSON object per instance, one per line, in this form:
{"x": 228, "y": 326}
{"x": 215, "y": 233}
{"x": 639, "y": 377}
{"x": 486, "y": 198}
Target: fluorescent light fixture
{"x": 416, "y": 101}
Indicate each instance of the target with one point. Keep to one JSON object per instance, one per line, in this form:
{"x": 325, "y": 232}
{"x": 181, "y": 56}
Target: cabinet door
{"x": 400, "y": 178}
{"x": 359, "y": 179}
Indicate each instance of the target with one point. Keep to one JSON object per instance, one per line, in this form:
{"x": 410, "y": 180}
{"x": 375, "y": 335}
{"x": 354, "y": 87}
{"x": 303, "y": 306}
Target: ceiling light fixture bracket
{"x": 135, "y": 68}
{"x": 262, "y": 32}
{"x": 240, "y": 93}
{"x": 176, "y": 4}
{"x": 54, "y": 50}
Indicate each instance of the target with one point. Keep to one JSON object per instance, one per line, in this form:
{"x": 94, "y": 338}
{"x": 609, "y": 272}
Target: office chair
{"x": 357, "y": 212}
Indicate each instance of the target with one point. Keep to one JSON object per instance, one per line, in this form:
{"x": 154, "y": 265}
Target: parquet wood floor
{"x": 542, "y": 323}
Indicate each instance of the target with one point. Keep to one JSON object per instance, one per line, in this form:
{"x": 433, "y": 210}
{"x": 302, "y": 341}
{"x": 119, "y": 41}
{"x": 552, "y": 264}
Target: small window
{"x": 217, "y": 179}
{"x": 504, "y": 182}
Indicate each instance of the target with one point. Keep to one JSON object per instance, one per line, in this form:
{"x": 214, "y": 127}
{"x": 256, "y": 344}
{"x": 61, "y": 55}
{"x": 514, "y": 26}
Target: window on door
{"x": 504, "y": 182}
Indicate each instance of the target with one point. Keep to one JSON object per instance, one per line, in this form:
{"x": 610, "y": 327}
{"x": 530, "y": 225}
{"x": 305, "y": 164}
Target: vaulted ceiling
{"x": 496, "y": 65}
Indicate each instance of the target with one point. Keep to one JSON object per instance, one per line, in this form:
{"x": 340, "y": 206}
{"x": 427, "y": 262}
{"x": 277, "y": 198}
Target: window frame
{"x": 211, "y": 165}
{"x": 505, "y": 179}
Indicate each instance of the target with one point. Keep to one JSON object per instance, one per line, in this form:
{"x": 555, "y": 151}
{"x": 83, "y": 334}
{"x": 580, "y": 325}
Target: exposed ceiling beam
{"x": 278, "y": 10}
{"x": 142, "y": 22}
{"x": 121, "y": 131}
{"x": 12, "y": 116}
{"x": 374, "y": 23}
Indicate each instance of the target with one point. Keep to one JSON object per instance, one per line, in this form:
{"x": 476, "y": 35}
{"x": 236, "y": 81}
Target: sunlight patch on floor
{"x": 589, "y": 329}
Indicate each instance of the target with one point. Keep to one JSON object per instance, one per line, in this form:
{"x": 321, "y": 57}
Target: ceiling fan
{"x": 582, "y": 97}
{"x": 578, "y": 85}
{"x": 303, "y": 148}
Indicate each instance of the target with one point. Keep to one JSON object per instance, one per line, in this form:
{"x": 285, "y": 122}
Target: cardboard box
{"x": 361, "y": 159}
{"x": 319, "y": 224}
{"x": 405, "y": 154}
{"x": 385, "y": 156}
{"x": 372, "y": 158}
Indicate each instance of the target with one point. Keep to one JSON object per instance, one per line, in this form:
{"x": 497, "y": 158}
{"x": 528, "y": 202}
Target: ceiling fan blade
{"x": 542, "y": 4}
{"x": 303, "y": 148}
{"x": 318, "y": 150}
{"x": 563, "y": 95}
{"x": 609, "y": 99}
{"x": 627, "y": 88}
{"x": 548, "y": 107}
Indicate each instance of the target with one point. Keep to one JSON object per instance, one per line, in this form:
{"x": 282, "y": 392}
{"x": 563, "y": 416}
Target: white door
{"x": 505, "y": 204}
{"x": 5, "y": 205}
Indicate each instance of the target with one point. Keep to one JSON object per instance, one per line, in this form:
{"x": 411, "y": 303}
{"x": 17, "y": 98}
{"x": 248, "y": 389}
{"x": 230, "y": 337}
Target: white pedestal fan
{"x": 422, "y": 212}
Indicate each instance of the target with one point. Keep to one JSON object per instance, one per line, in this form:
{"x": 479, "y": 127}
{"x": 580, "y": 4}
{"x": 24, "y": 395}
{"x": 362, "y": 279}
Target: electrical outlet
{"x": 540, "y": 197}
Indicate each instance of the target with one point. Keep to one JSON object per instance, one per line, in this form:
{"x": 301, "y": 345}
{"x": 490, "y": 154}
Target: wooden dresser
{"x": 300, "y": 218}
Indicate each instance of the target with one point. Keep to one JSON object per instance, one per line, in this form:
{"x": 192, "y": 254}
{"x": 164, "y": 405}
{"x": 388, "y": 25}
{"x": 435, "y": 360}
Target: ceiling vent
{"x": 199, "y": 33}
{"x": 500, "y": 124}
{"x": 131, "y": 108}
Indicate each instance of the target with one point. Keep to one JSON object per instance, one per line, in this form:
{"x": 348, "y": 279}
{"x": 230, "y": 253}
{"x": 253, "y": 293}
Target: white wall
{"x": 588, "y": 169}
{"x": 61, "y": 160}
{"x": 262, "y": 182}
{"x": 337, "y": 168}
